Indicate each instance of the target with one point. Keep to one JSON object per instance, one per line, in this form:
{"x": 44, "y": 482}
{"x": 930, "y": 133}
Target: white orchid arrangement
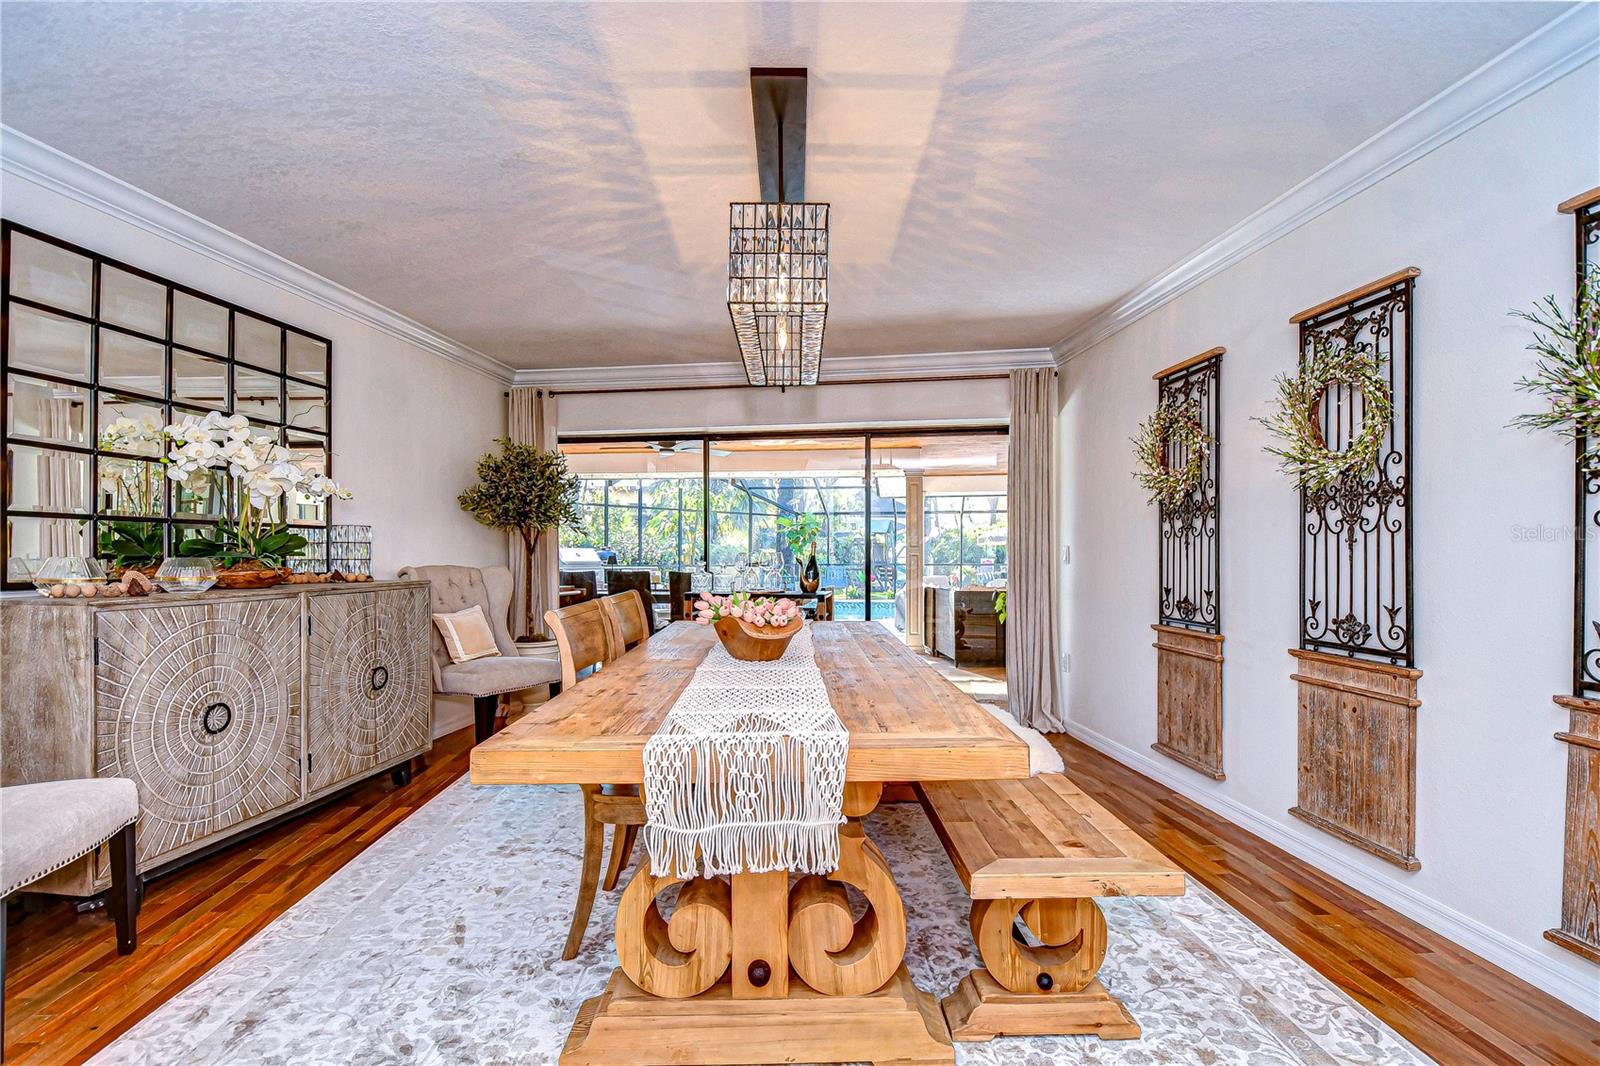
{"x": 128, "y": 481}
{"x": 264, "y": 473}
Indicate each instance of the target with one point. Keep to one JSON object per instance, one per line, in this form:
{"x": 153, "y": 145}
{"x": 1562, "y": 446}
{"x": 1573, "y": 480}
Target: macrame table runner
{"x": 746, "y": 773}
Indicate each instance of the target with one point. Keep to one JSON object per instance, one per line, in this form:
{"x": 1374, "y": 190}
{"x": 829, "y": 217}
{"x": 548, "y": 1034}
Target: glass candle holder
{"x": 187, "y": 575}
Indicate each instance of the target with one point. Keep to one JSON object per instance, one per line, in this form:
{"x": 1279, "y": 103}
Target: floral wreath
{"x": 1304, "y": 453}
{"x": 1172, "y": 423}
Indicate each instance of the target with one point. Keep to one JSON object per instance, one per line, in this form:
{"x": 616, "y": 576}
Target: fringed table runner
{"x": 746, "y": 773}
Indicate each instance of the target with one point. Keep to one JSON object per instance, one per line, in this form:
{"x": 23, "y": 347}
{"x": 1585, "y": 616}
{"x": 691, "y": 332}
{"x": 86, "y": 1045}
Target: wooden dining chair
{"x": 628, "y": 618}
{"x": 586, "y": 639}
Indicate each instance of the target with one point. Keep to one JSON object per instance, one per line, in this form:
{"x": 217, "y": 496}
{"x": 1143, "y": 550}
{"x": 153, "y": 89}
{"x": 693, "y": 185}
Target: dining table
{"x": 763, "y": 967}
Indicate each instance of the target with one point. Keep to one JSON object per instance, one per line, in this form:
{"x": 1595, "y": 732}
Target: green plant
{"x": 131, "y": 544}
{"x": 1000, "y": 606}
{"x": 1567, "y": 373}
{"x": 800, "y": 532}
{"x": 526, "y": 490}
{"x": 252, "y": 537}
{"x": 1297, "y": 423}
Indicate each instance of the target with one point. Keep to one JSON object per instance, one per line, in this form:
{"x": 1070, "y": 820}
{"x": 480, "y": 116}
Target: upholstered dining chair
{"x": 628, "y": 618}
{"x": 456, "y": 588}
{"x": 587, "y": 640}
{"x": 52, "y": 823}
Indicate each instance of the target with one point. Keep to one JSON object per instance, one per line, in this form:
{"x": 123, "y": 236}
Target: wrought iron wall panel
{"x": 1586, "y": 621}
{"x": 1189, "y": 547}
{"x": 1356, "y": 585}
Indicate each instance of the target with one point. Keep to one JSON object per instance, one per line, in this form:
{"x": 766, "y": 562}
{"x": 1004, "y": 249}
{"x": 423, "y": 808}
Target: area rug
{"x": 441, "y": 944}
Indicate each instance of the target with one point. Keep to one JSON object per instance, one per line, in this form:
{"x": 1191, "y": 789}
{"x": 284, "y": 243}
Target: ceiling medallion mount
{"x": 778, "y": 248}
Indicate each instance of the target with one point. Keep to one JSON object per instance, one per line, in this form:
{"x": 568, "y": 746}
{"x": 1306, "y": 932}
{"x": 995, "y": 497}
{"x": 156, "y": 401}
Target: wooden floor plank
{"x": 1456, "y": 1007}
{"x": 69, "y": 993}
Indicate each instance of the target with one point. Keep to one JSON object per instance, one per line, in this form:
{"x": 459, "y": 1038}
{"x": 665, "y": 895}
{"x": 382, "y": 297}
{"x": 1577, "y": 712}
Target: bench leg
{"x": 1051, "y": 989}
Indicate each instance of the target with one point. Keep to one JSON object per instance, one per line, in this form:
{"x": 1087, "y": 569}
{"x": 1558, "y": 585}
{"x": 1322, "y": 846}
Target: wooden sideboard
{"x": 227, "y": 709}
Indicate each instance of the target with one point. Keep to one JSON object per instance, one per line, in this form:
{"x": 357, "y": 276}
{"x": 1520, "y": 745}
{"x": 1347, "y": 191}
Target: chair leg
{"x": 593, "y": 842}
{"x": 484, "y": 708}
{"x": 622, "y": 838}
{"x": 124, "y": 896}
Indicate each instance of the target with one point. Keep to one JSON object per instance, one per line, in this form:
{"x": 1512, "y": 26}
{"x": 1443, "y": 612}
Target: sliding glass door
{"x": 895, "y": 512}
{"x": 758, "y": 485}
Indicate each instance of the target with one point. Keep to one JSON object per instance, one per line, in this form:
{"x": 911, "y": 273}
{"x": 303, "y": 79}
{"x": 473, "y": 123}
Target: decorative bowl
{"x": 70, "y": 576}
{"x": 753, "y": 644}
{"x": 249, "y": 575}
{"x": 187, "y": 574}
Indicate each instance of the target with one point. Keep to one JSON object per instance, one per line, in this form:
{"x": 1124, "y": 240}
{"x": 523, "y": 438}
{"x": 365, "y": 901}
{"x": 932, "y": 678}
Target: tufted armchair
{"x": 455, "y": 588}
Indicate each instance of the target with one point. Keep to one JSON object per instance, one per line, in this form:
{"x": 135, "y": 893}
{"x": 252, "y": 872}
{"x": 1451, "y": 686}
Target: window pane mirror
{"x": 100, "y": 356}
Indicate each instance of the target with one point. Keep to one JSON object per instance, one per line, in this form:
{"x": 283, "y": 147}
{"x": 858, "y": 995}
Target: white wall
{"x": 407, "y": 424}
{"x": 921, "y": 403}
{"x": 1493, "y": 626}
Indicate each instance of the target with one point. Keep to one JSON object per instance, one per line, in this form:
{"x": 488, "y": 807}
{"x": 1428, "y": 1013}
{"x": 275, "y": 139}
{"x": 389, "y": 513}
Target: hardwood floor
{"x": 1450, "y": 1003}
{"x": 69, "y": 993}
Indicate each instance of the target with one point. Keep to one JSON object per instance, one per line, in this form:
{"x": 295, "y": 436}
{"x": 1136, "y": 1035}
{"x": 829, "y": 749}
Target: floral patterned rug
{"x": 441, "y": 944}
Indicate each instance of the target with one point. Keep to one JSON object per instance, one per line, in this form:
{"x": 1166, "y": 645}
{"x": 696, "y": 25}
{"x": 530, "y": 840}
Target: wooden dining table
{"x": 759, "y": 967}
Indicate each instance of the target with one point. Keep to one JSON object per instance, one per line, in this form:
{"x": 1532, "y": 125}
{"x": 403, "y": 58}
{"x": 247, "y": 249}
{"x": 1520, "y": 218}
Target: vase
{"x": 811, "y": 577}
{"x": 752, "y": 644}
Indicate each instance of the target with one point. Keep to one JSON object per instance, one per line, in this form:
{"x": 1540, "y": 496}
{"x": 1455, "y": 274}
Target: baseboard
{"x": 450, "y": 715}
{"x": 1493, "y": 945}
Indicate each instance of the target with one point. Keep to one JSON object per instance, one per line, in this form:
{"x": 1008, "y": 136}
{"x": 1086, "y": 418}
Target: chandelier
{"x": 778, "y": 289}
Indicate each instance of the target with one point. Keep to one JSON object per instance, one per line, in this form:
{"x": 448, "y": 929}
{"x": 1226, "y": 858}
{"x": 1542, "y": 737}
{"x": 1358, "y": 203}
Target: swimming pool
{"x": 856, "y": 610}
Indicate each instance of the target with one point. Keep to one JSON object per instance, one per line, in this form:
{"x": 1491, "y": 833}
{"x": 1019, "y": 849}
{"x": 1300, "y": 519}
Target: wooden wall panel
{"x": 1189, "y": 698}
{"x": 1580, "y": 881}
{"x": 1358, "y": 752}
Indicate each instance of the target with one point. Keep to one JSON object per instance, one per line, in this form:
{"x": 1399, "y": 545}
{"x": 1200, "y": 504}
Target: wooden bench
{"x": 1041, "y": 850}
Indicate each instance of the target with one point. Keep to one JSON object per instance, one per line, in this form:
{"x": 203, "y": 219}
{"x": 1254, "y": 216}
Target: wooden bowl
{"x": 244, "y": 577}
{"x": 752, "y": 644}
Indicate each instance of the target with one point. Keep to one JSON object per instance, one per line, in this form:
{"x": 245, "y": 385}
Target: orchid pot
{"x": 252, "y": 541}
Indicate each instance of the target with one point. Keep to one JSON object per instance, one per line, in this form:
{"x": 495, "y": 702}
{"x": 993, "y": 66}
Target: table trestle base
{"x": 625, "y": 1026}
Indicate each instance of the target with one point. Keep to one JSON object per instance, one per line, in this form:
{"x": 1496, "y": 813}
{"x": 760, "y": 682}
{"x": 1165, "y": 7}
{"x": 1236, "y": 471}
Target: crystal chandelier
{"x": 778, "y": 289}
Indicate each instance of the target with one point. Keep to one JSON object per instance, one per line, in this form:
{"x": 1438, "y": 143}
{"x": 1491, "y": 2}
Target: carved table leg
{"x": 1029, "y": 990}
{"x": 760, "y": 973}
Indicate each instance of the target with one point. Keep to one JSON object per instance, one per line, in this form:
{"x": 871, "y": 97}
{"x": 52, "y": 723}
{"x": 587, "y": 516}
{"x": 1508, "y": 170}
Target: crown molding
{"x": 836, "y": 370}
{"x": 1550, "y": 53}
{"x": 32, "y": 160}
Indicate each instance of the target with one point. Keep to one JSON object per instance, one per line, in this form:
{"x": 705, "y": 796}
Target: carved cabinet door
{"x": 369, "y": 682}
{"x": 200, "y": 705}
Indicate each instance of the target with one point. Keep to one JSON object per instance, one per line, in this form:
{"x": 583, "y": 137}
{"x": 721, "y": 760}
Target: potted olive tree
{"x": 525, "y": 490}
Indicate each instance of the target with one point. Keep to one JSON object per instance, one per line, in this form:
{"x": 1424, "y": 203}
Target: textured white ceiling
{"x": 549, "y": 183}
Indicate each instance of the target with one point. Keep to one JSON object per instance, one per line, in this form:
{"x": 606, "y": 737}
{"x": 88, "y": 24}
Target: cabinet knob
{"x": 380, "y": 678}
{"x": 218, "y": 717}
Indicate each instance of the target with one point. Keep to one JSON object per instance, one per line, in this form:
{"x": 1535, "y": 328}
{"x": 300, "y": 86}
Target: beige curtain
{"x": 533, "y": 421}
{"x": 1032, "y": 589}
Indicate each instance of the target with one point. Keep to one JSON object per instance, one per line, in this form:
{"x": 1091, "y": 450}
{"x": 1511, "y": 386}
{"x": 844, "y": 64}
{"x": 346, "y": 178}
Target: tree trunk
{"x": 530, "y": 544}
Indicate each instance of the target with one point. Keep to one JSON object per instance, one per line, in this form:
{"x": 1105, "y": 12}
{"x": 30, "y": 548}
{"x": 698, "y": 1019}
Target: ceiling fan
{"x": 681, "y": 447}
